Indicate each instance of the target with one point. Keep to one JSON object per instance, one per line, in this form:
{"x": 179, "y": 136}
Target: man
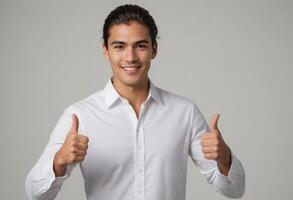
{"x": 132, "y": 139}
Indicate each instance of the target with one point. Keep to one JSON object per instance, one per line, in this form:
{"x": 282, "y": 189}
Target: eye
{"x": 119, "y": 47}
{"x": 142, "y": 46}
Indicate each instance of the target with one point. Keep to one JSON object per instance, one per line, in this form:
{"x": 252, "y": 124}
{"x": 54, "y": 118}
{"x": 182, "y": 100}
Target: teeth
{"x": 131, "y": 69}
{"x": 130, "y": 66}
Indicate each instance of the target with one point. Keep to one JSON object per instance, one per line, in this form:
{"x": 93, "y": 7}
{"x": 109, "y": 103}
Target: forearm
{"x": 42, "y": 182}
{"x": 233, "y": 184}
{"x": 58, "y": 167}
{"x": 225, "y": 164}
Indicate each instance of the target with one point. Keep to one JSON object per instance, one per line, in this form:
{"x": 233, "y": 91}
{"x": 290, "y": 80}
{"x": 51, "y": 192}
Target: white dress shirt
{"x": 132, "y": 158}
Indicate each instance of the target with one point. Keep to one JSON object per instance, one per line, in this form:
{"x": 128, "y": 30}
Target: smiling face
{"x": 130, "y": 51}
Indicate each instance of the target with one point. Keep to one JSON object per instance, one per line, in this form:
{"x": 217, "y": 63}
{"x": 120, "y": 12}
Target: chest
{"x": 115, "y": 136}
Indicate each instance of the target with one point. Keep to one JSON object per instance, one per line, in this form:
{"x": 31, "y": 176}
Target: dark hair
{"x": 126, "y": 13}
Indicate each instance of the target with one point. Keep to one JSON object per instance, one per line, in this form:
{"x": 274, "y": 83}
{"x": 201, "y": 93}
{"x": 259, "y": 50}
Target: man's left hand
{"x": 215, "y": 148}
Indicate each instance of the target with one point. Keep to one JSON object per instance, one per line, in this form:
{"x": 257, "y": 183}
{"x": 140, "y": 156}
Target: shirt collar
{"x": 111, "y": 95}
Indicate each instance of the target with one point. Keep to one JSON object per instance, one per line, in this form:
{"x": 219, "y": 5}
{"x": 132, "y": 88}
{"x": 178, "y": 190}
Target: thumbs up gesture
{"x": 73, "y": 150}
{"x": 215, "y": 148}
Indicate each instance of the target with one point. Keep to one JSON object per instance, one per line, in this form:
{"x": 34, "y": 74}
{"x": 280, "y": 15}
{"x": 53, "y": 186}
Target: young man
{"x": 132, "y": 139}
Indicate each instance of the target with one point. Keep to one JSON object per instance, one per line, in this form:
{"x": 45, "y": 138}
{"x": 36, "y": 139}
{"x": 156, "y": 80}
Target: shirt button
{"x": 140, "y": 191}
{"x": 140, "y": 170}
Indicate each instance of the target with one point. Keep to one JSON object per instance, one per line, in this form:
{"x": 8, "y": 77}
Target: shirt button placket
{"x": 140, "y": 161}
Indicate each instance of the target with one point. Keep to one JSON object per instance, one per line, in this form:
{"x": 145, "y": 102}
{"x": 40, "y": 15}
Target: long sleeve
{"x": 41, "y": 183}
{"x": 233, "y": 185}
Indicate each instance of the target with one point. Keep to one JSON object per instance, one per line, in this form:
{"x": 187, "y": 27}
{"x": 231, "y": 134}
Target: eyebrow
{"x": 137, "y": 42}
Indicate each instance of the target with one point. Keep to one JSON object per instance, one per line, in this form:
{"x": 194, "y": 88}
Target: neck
{"x": 135, "y": 94}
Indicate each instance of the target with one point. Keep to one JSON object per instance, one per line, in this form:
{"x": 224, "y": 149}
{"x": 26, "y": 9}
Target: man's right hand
{"x": 72, "y": 151}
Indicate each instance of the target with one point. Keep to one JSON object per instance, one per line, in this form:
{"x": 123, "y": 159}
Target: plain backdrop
{"x": 230, "y": 56}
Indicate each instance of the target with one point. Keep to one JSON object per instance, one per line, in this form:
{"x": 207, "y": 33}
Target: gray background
{"x": 232, "y": 57}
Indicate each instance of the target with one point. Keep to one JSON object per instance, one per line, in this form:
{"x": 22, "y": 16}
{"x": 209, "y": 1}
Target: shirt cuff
{"x": 55, "y": 182}
{"x": 233, "y": 172}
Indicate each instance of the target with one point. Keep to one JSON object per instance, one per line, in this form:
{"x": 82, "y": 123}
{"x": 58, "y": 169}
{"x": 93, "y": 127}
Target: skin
{"x": 73, "y": 150}
{"x": 130, "y": 44}
{"x": 215, "y": 148}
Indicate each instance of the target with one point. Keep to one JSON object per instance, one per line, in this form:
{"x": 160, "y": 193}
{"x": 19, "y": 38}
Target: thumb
{"x": 74, "y": 127}
{"x": 214, "y": 121}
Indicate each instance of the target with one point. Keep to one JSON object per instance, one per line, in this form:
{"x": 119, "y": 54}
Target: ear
{"x": 105, "y": 51}
{"x": 155, "y": 50}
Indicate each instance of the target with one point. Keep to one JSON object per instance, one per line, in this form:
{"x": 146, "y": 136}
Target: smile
{"x": 131, "y": 69}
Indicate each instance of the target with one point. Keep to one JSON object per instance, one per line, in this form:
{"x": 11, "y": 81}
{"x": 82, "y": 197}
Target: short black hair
{"x": 124, "y": 14}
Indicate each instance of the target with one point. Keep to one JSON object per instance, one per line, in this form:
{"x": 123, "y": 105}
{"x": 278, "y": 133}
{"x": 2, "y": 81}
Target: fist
{"x": 74, "y": 148}
{"x": 213, "y": 145}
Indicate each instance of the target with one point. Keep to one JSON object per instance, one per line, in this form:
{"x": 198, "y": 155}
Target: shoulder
{"x": 172, "y": 99}
{"x": 179, "y": 102}
{"x": 86, "y": 104}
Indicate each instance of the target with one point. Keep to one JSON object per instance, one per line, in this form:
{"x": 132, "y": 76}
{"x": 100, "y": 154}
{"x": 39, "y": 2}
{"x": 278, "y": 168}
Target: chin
{"x": 132, "y": 81}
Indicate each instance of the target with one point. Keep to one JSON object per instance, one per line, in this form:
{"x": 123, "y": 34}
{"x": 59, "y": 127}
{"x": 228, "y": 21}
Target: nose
{"x": 131, "y": 55}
